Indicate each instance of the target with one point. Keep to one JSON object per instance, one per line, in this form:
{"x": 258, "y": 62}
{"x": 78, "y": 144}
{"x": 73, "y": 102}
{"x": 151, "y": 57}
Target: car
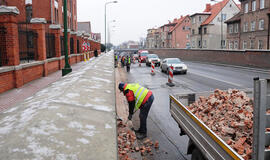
{"x": 152, "y": 58}
{"x": 143, "y": 55}
{"x": 178, "y": 65}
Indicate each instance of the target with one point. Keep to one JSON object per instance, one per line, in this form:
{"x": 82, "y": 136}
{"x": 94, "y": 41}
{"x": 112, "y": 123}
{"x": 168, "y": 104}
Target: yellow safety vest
{"x": 116, "y": 57}
{"x": 129, "y": 60}
{"x": 139, "y": 93}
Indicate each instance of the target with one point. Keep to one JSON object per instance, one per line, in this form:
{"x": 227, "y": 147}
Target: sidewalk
{"x": 73, "y": 118}
{"x": 17, "y": 95}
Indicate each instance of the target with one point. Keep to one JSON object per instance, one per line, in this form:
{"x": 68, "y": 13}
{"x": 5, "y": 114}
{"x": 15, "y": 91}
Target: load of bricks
{"x": 230, "y": 115}
{"x": 126, "y": 143}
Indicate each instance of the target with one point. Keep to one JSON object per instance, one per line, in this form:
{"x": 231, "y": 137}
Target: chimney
{"x": 208, "y": 7}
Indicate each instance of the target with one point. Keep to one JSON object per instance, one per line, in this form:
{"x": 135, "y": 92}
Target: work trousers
{"x": 144, "y": 110}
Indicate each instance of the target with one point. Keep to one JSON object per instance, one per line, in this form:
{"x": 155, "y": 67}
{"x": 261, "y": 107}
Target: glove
{"x": 129, "y": 116}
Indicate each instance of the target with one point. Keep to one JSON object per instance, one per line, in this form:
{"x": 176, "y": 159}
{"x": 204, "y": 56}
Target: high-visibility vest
{"x": 129, "y": 61}
{"x": 116, "y": 57}
{"x": 139, "y": 93}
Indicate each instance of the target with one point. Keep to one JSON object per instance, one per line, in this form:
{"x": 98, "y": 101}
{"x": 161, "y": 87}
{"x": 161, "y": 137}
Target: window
{"x": 56, "y": 15}
{"x": 223, "y": 43}
{"x": 199, "y": 44}
{"x": 187, "y": 36}
{"x": 204, "y": 44}
{"x": 246, "y": 8}
{"x": 253, "y": 5}
{"x": 260, "y": 44}
{"x": 200, "y": 30}
{"x": 252, "y": 44}
{"x": 261, "y": 24}
{"x": 261, "y": 4}
{"x": 236, "y": 28}
{"x": 183, "y": 28}
{"x": 235, "y": 44}
{"x": 193, "y": 44}
{"x": 224, "y": 17}
{"x": 252, "y": 26}
{"x": 193, "y": 20}
{"x": 200, "y": 19}
{"x": 245, "y": 27}
{"x": 193, "y": 31}
{"x": 231, "y": 45}
{"x": 244, "y": 44}
{"x": 29, "y": 12}
{"x": 205, "y": 30}
{"x": 230, "y": 28}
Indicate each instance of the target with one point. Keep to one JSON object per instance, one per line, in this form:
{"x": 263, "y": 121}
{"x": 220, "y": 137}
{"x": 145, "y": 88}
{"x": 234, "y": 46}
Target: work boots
{"x": 140, "y": 135}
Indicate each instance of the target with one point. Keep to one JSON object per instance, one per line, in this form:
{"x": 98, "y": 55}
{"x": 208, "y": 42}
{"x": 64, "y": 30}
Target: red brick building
{"x": 249, "y": 29}
{"x": 31, "y": 40}
{"x": 180, "y": 33}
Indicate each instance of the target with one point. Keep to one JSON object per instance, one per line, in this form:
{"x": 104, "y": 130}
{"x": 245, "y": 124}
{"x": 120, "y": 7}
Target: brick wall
{"x": 260, "y": 59}
{"x": 53, "y": 66}
{"x": 32, "y": 73}
{"x": 7, "y": 81}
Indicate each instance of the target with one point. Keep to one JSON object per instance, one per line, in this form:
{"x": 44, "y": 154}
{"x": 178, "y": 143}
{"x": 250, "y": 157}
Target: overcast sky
{"x": 134, "y": 17}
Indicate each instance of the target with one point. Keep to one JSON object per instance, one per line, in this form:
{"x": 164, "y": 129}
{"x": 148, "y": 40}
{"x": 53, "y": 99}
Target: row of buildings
{"x": 224, "y": 25}
{"x": 32, "y": 39}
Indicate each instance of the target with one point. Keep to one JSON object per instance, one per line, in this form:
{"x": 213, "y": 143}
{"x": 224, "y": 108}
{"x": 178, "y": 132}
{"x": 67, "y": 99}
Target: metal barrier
{"x": 3, "y": 51}
{"x": 50, "y": 45}
{"x": 27, "y": 43}
{"x": 71, "y": 45}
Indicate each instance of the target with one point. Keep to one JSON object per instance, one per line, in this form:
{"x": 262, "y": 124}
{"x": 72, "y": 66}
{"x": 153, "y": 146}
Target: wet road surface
{"x": 200, "y": 77}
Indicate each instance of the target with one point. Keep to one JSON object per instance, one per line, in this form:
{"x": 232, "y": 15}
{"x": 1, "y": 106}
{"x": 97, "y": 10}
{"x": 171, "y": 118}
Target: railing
{"x": 50, "y": 45}
{"x": 3, "y": 51}
{"x": 28, "y": 47}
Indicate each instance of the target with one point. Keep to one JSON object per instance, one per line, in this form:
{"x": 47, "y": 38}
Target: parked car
{"x": 178, "y": 65}
{"x": 152, "y": 58}
{"x": 143, "y": 55}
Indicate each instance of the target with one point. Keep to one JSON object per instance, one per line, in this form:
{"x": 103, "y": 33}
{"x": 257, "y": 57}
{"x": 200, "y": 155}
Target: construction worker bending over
{"x": 141, "y": 98}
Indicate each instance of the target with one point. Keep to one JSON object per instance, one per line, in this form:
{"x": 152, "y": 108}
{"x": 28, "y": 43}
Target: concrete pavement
{"x": 73, "y": 118}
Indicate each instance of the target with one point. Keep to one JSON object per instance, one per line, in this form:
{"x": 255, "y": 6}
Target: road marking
{"x": 203, "y": 75}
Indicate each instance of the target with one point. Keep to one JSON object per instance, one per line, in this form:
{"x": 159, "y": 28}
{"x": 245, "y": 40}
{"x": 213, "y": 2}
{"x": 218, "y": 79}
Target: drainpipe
{"x": 200, "y": 28}
{"x": 52, "y": 11}
{"x": 268, "y": 34}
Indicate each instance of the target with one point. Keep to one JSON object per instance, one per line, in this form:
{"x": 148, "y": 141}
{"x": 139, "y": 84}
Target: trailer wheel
{"x": 197, "y": 155}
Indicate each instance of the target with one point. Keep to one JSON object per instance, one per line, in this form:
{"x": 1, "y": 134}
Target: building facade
{"x": 32, "y": 40}
{"x": 250, "y": 28}
{"x": 208, "y": 29}
{"x": 165, "y": 36}
{"x": 180, "y": 33}
{"x": 152, "y": 39}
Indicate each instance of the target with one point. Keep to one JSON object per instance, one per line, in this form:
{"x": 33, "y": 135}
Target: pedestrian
{"x": 138, "y": 97}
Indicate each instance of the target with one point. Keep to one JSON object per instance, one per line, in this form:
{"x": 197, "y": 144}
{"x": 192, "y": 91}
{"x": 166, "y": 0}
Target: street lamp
{"x": 67, "y": 69}
{"x": 221, "y": 26}
{"x": 106, "y": 21}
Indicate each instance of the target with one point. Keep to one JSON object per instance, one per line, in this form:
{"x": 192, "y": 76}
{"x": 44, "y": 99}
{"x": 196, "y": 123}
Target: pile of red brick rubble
{"x": 126, "y": 143}
{"x": 230, "y": 115}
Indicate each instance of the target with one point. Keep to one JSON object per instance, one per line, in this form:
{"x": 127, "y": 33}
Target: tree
{"x": 102, "y": 47}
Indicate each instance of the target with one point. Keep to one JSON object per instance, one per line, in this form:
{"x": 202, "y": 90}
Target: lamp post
{"x": 221, "y": 24}
{"x": 67, "y": 69}
{"x": 106, "y": 21}
{"x": 109, "y": 28}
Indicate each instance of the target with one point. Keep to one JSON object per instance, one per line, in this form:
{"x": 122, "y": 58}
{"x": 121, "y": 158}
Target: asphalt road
{"x": 200, "y": 77}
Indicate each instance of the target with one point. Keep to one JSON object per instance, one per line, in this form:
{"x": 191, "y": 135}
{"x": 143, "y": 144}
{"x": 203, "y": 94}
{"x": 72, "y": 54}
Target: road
{"x": 200, "y": 77}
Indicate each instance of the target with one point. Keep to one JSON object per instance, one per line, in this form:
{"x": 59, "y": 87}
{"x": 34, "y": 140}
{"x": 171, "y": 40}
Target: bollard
{"x": 170, "y": 77}
{"x": 88, "y": 56}
{"x": 152, "y": 69}
{"x": 140, "y": 63}
{"x": 84, "y": 56}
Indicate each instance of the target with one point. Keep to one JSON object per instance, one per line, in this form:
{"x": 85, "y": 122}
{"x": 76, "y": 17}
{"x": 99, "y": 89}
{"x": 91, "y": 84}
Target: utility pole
{"x": 67, "y": 69}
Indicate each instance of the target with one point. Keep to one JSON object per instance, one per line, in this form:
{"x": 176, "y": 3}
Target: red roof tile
{"x": 179, "y": 21}
{"x": 215, "y": 9}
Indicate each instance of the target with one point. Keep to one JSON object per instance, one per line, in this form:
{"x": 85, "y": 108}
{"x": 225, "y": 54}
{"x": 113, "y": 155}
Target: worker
{"x": 116, "y": 61}
{"x": 138, "y": 97}
{"x": 128, "y": 63}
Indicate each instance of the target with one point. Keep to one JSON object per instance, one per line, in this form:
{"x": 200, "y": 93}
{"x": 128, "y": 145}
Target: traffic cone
{"x": 170, "y": 77}
{"x": 152, "y": 69}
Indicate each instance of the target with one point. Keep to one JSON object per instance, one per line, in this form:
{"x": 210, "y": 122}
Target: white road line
{"x": 210, "y": 77}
